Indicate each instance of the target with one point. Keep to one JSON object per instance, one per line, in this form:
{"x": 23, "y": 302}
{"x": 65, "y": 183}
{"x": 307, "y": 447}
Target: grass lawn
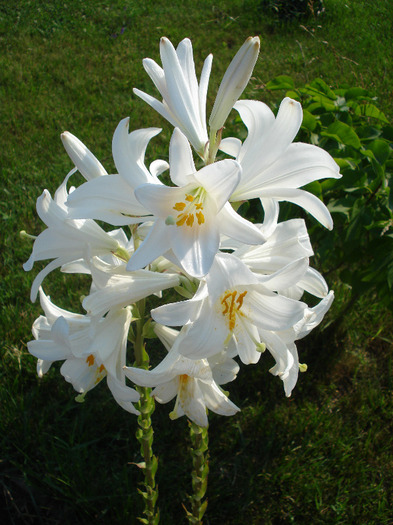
{"x": 322, "y": 456}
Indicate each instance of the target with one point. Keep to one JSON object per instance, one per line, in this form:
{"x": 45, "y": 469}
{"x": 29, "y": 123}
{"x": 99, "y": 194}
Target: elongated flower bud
{"x": 234, "y": 81}
{"x": 82, "y": 157}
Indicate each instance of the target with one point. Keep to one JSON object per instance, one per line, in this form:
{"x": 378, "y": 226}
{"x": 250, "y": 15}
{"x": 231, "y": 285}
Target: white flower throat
{"x": 191, "y": 209}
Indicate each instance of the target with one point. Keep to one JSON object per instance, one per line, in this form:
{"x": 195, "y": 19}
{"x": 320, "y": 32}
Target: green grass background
{"x": 322, "y": 456}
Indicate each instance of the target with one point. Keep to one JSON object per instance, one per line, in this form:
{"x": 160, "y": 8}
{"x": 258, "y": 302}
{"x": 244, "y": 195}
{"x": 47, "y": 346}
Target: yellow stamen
{"x": 182, "y": 219}
{"x": 232, "y": 303}
{"x": 200, "y": 217}
{"x": 191, "y": 208}
{"x": 90, "y": 360}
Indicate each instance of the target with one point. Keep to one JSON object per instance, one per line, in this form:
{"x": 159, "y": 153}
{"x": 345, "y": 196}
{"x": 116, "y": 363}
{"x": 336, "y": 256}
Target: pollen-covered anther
{"x": 90, "y": 360}
{"x": 100, "y": 374}
{"x": 189, "y": 211}
{"x": 232, "y": 301}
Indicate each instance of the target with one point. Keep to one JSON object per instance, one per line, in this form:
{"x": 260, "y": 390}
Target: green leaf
{"x": 148, "y": 330}
{"x": 389, "y": 276}
{"x": 309, "y": 121}
{"x": 381, "y": 150}
{"x": 369, "y": 110}
{"x": 356, "y": 92}
{"x": 387, "y": 133}
{"x": 281, "y": 82}
{"x": 342, "y": 133}
{"x": 340, "y": 206}
{"x": 314, "y": 187}
{"x": 321, "y": 87}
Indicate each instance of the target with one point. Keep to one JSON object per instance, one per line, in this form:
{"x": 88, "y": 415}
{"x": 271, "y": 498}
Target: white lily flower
{"x": 224, "y": 367}
{"x": 288, "y": 370}
{"x": 234, "y": 81}
{"x": 288, "y": 242}
{"x": 184, "y": 101}
{"x": 274, "y": 168}
{"x": 191, "y": 217}
{"x": 111, "y": 198}
{"x": 115, "y": 287}
{"x": 84, "y": 160}
{"x": 190, "y": 381}
{"x": 65, "y": 240}
{"x": 91, "y": 349}
{"x": 232, "y": 302}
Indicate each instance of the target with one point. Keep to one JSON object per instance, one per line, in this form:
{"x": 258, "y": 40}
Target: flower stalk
{"x": 145, "y": 433}
{"x": 199, "y": 453}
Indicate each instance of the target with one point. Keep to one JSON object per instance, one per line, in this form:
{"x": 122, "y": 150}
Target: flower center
{"x": 231, "y": 302}
{"x": 100, "y": 372}
{"x": 191, "y": 208}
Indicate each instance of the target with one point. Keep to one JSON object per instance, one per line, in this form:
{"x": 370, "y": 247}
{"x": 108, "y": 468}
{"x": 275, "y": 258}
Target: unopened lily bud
{"x": 82, "y": 157}
{"x": 234, "y": 81}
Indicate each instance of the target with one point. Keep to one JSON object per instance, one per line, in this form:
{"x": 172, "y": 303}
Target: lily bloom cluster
{"x": 242, "y": 282}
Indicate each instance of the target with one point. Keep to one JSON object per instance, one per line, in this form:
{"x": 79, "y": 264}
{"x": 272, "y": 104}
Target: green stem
{"x": 199, "y": 453}
{"x": 145, "y": 432}
{"x": 214, "y": 143}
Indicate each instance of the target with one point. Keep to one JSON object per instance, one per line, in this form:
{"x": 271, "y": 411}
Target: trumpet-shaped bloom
{"x": 232, "y": 302}
{"x": 114, "y": 287}
{"x": 234, "y": 81}
{"x": 191, "y": 382}
{"x": 288, "y": 242}
{"x": 184, "y": 101}
{"x": 91, "y": 349}
{"x": 191, "y": 217}
{"x": 274, "y": 168}
{"x": 64, "y": 240}
{"x": 111, "y": 198}
{"x": 288, "y": 369}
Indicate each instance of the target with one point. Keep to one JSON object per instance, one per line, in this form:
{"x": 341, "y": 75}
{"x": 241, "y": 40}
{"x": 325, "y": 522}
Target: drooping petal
{"x": 246, "y": 336}
{"x": 314, "y": 283}
{"x": 216, "y": 401}
{"x": 231, "y": 146}
{"x": 273, "y": 312}
{"x": 238, "y": 228}
{"x": 156, "y": 243}
{"x": 306, "y": 200}
{"x": 166, "y": 391}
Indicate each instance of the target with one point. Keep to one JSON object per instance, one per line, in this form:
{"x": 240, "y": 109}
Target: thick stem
{"x": 214, "y": 143}
{"x": 145, "y": 432}
{"x": 199, "y": 452}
